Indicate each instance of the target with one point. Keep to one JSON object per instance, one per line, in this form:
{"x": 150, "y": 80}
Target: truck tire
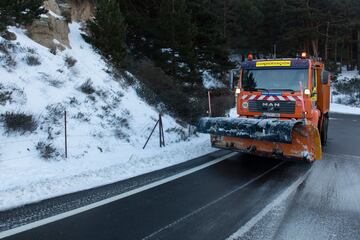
{"x": 324, "y": 130}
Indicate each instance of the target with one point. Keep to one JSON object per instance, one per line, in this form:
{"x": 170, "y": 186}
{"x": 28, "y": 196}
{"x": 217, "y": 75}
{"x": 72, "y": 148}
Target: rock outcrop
{"x": 82, "y": 10}
{"x": 52, "y": 29}
{"x": 8, "y": 35}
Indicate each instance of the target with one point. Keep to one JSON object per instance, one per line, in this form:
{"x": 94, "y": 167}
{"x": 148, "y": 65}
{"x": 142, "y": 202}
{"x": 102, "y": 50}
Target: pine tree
{"x": 108, "y": 30}
{"x": 22, "y": 12}
{"x": 210, "y": 43}
{"x": 176, "y": 32}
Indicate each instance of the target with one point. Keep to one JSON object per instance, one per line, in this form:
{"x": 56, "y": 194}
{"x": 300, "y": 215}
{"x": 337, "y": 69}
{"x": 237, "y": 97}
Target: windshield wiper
{"x": 262, "y": 89}
{"x": 283, "y": 89}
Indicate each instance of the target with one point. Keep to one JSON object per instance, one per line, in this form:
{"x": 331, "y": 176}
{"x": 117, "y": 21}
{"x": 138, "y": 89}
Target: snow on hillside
{"x": 345, "y": 92}
{"x": 107, "y": 123}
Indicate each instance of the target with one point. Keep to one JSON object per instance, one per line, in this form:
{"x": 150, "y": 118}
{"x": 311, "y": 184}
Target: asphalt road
{"x": 249, "y": 197}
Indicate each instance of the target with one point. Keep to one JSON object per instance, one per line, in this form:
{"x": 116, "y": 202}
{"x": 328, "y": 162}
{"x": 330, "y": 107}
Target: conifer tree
{"x": 19, "y": 11}
{"x": 108, "y": 30}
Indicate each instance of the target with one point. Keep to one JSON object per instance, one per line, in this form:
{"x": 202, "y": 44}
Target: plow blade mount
{"x": 269, "y": 137}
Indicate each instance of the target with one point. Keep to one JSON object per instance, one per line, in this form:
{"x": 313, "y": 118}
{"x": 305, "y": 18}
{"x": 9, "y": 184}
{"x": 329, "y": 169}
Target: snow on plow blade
{"x": 267, "y": 137}
{"x": 273, "y": 130}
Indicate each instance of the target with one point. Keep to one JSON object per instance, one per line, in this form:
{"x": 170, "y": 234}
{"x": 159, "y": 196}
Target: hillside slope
{"x": 108, "y": 123}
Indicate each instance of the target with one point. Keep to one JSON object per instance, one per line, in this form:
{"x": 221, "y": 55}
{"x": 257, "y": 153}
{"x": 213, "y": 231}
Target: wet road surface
{"x": 327, "y": 204}
{"x": 222, "y": 199}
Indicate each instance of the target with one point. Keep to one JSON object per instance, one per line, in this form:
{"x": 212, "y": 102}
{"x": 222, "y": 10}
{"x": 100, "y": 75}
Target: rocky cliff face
{"x": 52, "y": 29}
{"x": 82, "y": 10}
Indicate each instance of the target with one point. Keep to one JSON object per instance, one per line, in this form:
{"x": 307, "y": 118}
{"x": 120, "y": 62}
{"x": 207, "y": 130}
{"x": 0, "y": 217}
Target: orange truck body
{"x": 309, "y": 105}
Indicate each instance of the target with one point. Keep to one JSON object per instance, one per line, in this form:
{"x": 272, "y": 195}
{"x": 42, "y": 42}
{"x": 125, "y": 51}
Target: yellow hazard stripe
{"x": 273, "y": 64}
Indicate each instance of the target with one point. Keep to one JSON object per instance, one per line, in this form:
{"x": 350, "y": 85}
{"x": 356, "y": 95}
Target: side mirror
{"x": 325, "y": 75}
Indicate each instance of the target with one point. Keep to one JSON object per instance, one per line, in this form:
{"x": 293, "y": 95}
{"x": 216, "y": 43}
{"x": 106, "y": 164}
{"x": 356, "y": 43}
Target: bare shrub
{"x": 5, "y": 95}
{"x": 55, "y": 113}
{"x": 81, "y": 117}
{"x": 31, "y": 50}
{"x": 120, "y": 134}
{"x": 70, "y": 61}
{"x": 8, "y": 61}
{"x": 32, "y": 60}
{"x": 47, "y": 151}
{"x": 55, "y": 83}
{"x": 19, "y": 122}
{"x": 87, "y": 87}
{"x": 6, "y": 46}
{"x": 180, "y": 132}
{"x": 51, "y": 80}
{"x": 53, "y": 50}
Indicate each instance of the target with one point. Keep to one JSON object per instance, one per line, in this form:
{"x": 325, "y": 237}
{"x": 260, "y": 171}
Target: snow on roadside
{"x": 344, "y": 101}
{"x": 107, "y": 128}
{"x": 58, "y": 178}
{"x": 347, "y": 75}
{"x": 341, "y": 108}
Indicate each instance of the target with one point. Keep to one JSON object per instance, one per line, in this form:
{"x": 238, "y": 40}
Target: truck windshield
{"x": 274, "y": 79}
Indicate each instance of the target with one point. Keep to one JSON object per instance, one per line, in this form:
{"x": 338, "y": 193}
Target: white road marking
{"x": 60, "y": 216}
{"x": 282, "y": 197}
{"x": 211, "y": 203}
{"x": 335, "y": 119}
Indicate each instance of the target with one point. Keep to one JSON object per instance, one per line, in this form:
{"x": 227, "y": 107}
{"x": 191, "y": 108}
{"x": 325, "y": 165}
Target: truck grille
{"x": 287, "y": 107}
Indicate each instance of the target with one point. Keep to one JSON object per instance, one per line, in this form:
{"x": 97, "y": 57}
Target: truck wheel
{"x": 324, "y": 131}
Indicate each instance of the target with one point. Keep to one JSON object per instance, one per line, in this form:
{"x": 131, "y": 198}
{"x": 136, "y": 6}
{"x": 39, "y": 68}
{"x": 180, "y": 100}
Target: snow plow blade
{"x": 260, "y": 129}
{"x": 266, "y": 137}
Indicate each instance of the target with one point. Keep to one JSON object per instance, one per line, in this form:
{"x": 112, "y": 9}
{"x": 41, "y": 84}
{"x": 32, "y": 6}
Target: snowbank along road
{"x": 219, "y": 196}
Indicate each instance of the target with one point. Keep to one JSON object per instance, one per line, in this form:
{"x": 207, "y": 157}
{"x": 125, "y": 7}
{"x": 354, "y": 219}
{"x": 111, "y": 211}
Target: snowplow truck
{"x": 282, "y": 110}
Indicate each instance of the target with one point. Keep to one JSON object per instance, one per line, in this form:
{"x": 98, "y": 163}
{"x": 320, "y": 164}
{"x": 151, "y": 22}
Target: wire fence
{"x": 24, "y": 132}
{"x": 36, "y": 134}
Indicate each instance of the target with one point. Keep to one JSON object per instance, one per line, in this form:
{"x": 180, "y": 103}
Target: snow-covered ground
{"x": 345, "y": 102}
{"x": 107, "y": 125}
{"x": 341, "y": 108}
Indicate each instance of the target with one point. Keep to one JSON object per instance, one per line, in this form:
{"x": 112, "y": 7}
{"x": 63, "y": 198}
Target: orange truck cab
{"x": 282, "y": 107}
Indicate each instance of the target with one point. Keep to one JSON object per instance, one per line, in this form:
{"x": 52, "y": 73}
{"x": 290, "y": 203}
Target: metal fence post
{"x": 66, "y": 153}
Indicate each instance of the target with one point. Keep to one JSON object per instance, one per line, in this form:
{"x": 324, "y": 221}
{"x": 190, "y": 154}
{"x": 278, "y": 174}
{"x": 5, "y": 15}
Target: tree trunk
{"x": 358, "y": 49}
{"x": 326, "y": 41}
{"x": 314, "y": 44}
{"x": 173, "y": 36}
{"x": 336, "y": 47}
{"x": 224, "y": 18}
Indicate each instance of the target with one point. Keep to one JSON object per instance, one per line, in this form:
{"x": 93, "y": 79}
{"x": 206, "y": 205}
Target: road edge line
{"x": 282, "y": 197}
{"x": 73, "y": 212}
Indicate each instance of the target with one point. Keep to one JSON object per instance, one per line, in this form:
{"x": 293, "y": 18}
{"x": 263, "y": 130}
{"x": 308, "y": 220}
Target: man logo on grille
{"x": 270, "y": 106}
